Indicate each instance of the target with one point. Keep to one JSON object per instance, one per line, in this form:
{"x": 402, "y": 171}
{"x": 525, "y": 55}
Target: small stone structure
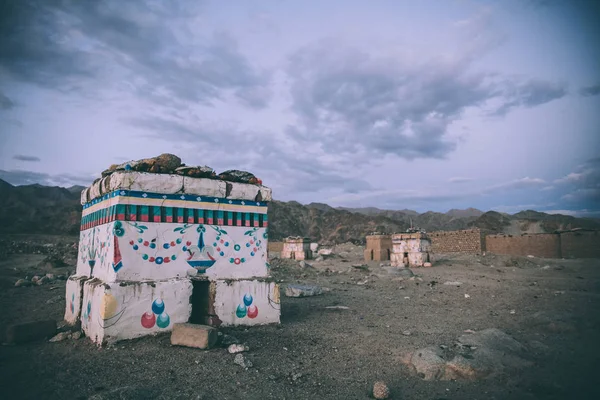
{"x": 411, "y": 249}
{"x": 296, "y": 248}
{"x": 379, "y": 247}
{"x": 157, "y": 249}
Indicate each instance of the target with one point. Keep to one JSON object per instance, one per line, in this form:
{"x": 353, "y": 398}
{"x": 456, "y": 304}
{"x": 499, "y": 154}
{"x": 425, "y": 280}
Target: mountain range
{"x": 37, "y": 209}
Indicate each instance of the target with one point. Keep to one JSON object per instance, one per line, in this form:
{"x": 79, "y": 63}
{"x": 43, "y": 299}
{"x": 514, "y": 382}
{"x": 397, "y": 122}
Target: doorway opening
{"x": 200, "y": 301}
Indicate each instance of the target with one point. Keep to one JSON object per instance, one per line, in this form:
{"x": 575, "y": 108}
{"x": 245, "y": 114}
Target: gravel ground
{"x": 319, "y": 353}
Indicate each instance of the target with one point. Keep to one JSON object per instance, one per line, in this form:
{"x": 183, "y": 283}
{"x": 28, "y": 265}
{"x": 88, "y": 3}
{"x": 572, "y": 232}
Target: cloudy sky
{"x": 427, "y": 105}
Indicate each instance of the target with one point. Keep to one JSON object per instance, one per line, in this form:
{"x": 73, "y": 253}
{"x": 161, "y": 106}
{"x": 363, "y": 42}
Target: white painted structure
{"x": 146, "y": 238}
{"x": 296, "y": 248}
{"x": 410, "y": 250}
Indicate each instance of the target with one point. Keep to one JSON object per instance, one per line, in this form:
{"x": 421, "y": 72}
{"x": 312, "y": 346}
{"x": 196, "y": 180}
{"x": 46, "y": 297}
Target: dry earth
{"x": 320, "y": 353}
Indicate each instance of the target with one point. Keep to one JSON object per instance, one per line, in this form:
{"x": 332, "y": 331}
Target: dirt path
{"x": 319, "y": 353}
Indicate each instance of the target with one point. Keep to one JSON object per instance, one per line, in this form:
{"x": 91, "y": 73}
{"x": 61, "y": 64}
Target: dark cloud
{"x": 587, "y": 91}
{"x": 5, "y": 102}
{"x": 20, "y": 177}
{"x": 215, "y": 144}
{"x": 581, "y": 187}
{"x": 148, "y": 44}
{"x": 21, "y": 157}
{"x": 528, "y": 94}
{"x": 349, "y": 101}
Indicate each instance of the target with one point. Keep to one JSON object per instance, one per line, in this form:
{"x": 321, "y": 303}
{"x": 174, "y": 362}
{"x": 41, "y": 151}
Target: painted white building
{"x": 159, "y": 249}
{"x": 410, "y": 250}
{"x": 296, "y": 248}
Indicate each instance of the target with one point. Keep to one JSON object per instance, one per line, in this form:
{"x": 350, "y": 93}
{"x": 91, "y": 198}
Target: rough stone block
{"x": 302, "y": 290}
{"x": 30, "y": 331}
{"x": 192, "y": 335}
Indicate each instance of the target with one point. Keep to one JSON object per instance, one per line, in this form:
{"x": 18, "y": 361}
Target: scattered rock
{"x": 337, "y": 308}
{"x": 325, "y": 252}
{"x": 513, "y": 312}
{"x": 30, "y": 331}
{"x": 319, "y": 258}
{"x": 427, "y": 264}
{"x": 302, "y": 290}
{"x": 196, "y": 172}
{"x": 35, "y": 279}
{"x": 530, "y": 256}
{"x": 43, "y": 280}
{"x": 452, "y": 283}
{"x": 363, "y": 267}
{"x": 467, "y": 296}
{"x": 546, "y": 267}
{"x": 428, "y": 363}
{"x": 242, "y": 361}
{"x": 304, "y": 264}
{"x": 60, "y": 337}
{"x": 406, "y": 333}
{"x": 76, "y": 335}
{"x": 381, "y": 390}
{"x": 478, "y": 355}
{"x": 51, "y": 277}
{"x": 234, "y": 175}
{"x": 295, "y": 376}
{"x": 237, "y": 348}
{"x": 22, "y": 283}
{"x": 163, "y": 164}
{"x": 228, "y": 340}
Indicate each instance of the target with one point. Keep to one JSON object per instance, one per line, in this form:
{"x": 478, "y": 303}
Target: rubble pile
{"x": 171, "y": 164}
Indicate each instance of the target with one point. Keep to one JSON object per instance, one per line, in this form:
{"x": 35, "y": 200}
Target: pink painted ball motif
{"x": 148, "y": 320}
{"x": 252, "y": 312}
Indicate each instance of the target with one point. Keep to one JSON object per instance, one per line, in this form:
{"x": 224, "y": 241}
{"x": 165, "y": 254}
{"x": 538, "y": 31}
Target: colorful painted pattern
{"x": 153, "y": 207}
{"x": 247, "y": 309}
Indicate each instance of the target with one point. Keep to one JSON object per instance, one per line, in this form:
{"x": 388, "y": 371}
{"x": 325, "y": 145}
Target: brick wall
{"x": 580, "y": 244}
{"x": 467, "y": 241}
{"x": 545, "y": 245}
{"x": 275, "y": 247}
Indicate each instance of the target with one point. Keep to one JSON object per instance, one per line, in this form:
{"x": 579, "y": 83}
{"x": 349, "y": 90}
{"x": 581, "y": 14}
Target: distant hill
{"x": 38, "y": 209}
{"x": 55, "y": 210}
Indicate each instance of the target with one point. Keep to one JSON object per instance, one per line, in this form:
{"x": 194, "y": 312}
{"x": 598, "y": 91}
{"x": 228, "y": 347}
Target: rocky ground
{"x": 471, "y": 327}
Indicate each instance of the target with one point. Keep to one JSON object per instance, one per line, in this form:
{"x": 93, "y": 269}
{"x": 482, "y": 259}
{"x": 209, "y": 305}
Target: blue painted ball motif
{"x": 166, "y": 245}
{"x": 163, "y": 320}
{"x": 158, "y": 306}
{"x": 241, "y": 311}
{"x": 135, "y": 247}
{"x": 248, "y": 299}
{"x": 159, "y": 260}
{"x": 152, "y": 245}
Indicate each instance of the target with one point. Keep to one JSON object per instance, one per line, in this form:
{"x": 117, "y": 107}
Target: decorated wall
{"x": 247, "y": 302}
{"x": 223, "y": 239}
{"x": 113, "y": 311}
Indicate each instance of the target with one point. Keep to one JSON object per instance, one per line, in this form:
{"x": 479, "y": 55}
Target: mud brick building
{"x": 296, "y": 248}
{"x": 379, "y": 247}
{"x": 576, "y": 243}
{"x": 160, "y": 249}
{"x": 470, "y": 241}
{"x": 410, "y": 249}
